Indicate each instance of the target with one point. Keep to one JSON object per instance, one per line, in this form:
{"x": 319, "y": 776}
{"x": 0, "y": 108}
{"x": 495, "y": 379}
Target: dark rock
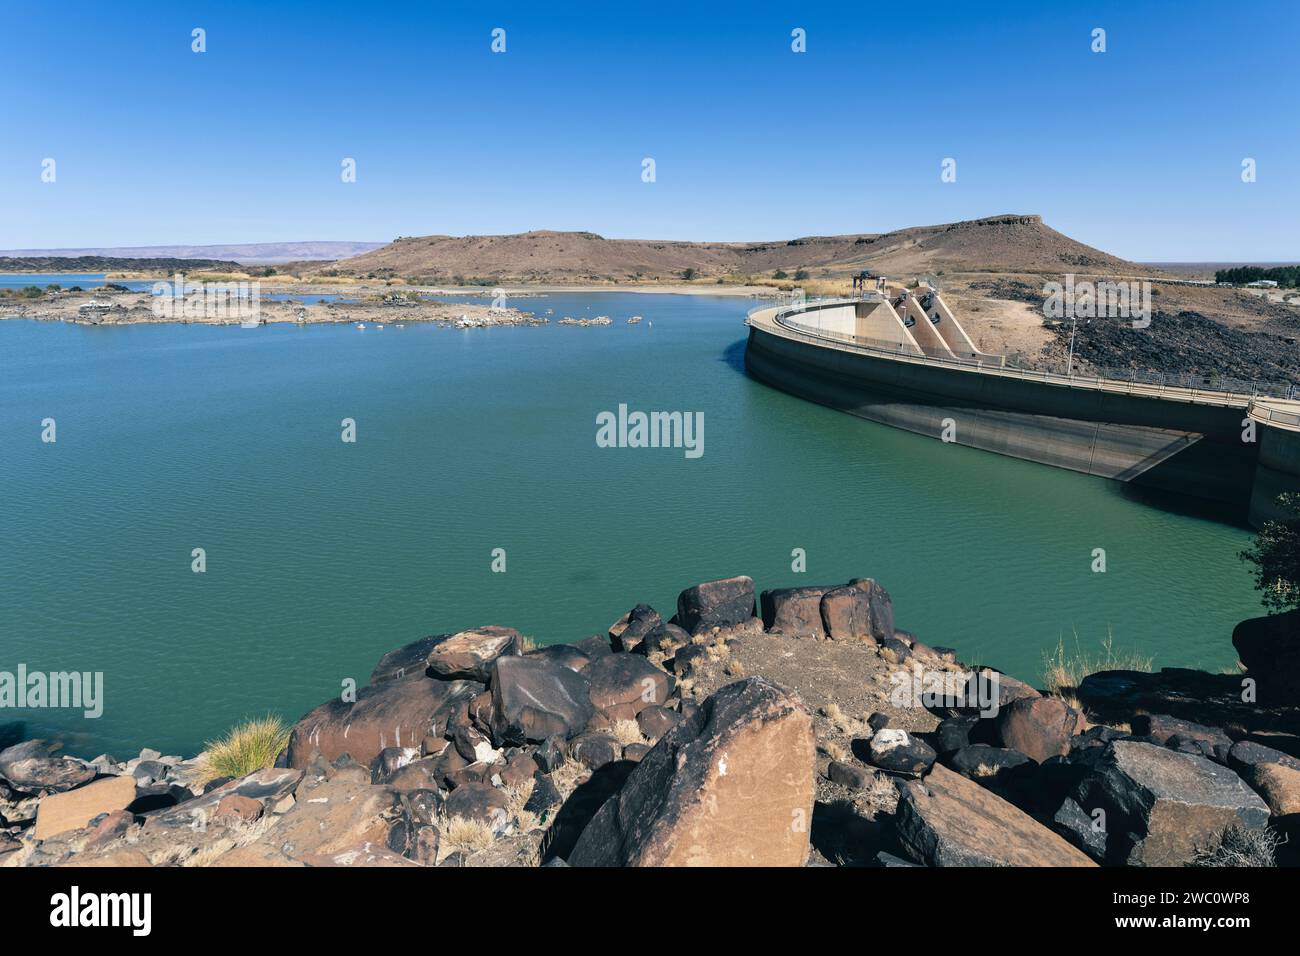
{"x": 545, "y": 796}
{"x": 953, "y": 733}
{"x": 730, "y": 785}
{"x": 395, "y": 713}
{"x": 878, "y": 721}
{"x": 1163, "y": 806}
{"x": 666, "y": 639}
{"x": 517, "y": 769}
{"x": 470, "y": 654}
{"x": 655, "y": 721}
{"x": 622, "y": 685}
{"x": 549, "y": 756}
{"x": 477, "y": 801}
{"x": 411, "y": 660}
{"x": 1081, "y": 830}
{"x": 534, "y": 699}
{"x": 860, "y": 611}
{"x": 149, "y": 771}
{"x": 389, "y": 761}
{"x": 994, "y": 767}
{"x": 594, "y": 646}
{"x": 900, "y": 752}
{"x": 1163, "y": 728}
{"x": 565, "y": 654}
{"x": 33, "y": 767}
{"x": 947, "y": 820}
{"x": 1039, "y": 727}
{"x": 479, "y": 711}
{"x": 1270, "y": 649}
{"x": 688, "y": 658}
{"x": 627, "y": 633}
{"x": 723, "y": 603}
{"x": 635, "y": 752}
{"x": 471, "y": 744}
{"x": 595, "y": 750}
{"x": 109, "y": 826}
{"x": 793, "y": 611}
{"x": 889, "y": 860}
{"x": 894, "y": 650}
{"x": 850, "y": 775}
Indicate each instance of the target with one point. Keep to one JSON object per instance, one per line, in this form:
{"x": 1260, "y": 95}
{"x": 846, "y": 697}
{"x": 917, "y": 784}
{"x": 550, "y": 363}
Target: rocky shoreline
{"x": 795, "y": 727}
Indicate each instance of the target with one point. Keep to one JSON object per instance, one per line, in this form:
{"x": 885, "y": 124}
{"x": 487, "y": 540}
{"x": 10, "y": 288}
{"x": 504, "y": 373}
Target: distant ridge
{"x": 264, "y": 253}
{"x": 1007, "y": 243}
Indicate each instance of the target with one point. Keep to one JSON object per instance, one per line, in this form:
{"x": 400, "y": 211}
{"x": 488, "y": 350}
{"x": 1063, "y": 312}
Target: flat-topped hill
{"x": 1010, "y": 243}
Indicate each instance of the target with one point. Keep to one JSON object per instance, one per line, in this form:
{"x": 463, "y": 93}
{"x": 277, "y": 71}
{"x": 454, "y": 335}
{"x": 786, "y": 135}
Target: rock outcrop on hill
{"x": 815, "y": 734}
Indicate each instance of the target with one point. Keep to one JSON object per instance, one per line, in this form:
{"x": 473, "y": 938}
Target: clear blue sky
{"x": 1137, "y": 150}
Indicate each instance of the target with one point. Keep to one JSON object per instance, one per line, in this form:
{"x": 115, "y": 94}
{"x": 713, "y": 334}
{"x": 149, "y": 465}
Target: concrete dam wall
{"x": 1187, "y": 444}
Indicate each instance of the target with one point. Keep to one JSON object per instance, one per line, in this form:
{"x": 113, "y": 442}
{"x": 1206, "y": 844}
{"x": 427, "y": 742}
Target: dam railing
{"x": 1191, "y": 387}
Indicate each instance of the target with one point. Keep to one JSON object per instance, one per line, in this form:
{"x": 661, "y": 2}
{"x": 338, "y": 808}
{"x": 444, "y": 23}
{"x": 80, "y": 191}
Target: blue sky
{"x": 1137, "y": 150}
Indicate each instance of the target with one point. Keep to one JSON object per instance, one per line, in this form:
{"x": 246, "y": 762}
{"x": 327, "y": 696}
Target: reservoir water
{"x": 321, "y": 555}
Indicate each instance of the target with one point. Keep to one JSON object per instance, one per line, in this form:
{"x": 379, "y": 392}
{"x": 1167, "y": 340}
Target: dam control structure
{"x": 901, "y": 358}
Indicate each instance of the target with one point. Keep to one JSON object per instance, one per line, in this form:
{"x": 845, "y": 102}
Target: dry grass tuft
{"x": 461, "y": 834}
{"x": 1237, "y": 846}
{"x": 252, "y": 745}
{"x": 1063, "y": 672}
{"x": 627, "y": 732}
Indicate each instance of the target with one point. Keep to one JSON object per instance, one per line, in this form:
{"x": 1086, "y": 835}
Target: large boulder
{"x": 1270, "y": 649}
{"x": 1039, "y": 727}
{"x": 469, "y": 654}
{"x": 533, "y": 699}
{"x": 623, "y": 685}
{"x": 859, "y": 611}
{"x": 34, "y": 766}
{"x": 73, "y": 809}
{"x": 947, "y": 820}
{"x": 395, "y": 713}
{"x": 723, "y": 603}
{"x": 796, "y": 612}
{"x": 1163, "y": 806}
{"x": 1275, "y": 776}
{"x": 730, "y": 785}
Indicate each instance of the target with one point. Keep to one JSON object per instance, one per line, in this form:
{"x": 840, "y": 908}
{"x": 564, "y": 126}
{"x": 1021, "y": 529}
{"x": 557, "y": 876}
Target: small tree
{"x": 778, "y": 274}
{"x": 801, "y": 275}
{"x": 1276, "y": 557}
{"x": 688, "y": 274}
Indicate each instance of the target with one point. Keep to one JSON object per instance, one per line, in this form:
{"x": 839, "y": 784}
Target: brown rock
{"x": 396, "y": 713}
{"x": 470, "y": 653}
{"x": 533, "y": 699}
{"x": 107, "y": 830}
{"x": 793, "y": 611}
{"x": 622, "y": 685}
{"x": 723, "y": 603}
{"x": 731, "y": 785}
{"x": 947, "y": 820}
{"x": 1039, "y": 727}
{"x": 477, "y": 801}
{"x": 236, "y": 807}
{"x": 1163, "y": 806}
{"x": 853, "y": 613}
{"x": 1279, "y": 785}
{"x": 72, "y": 810}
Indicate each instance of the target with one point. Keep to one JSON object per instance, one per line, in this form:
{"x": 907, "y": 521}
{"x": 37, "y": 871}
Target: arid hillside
{"x": 1010, "y": 243}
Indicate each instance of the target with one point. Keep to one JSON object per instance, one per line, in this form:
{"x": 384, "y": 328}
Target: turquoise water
{"x": 86, "y": 280}
{"x": 322, "y": 555}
